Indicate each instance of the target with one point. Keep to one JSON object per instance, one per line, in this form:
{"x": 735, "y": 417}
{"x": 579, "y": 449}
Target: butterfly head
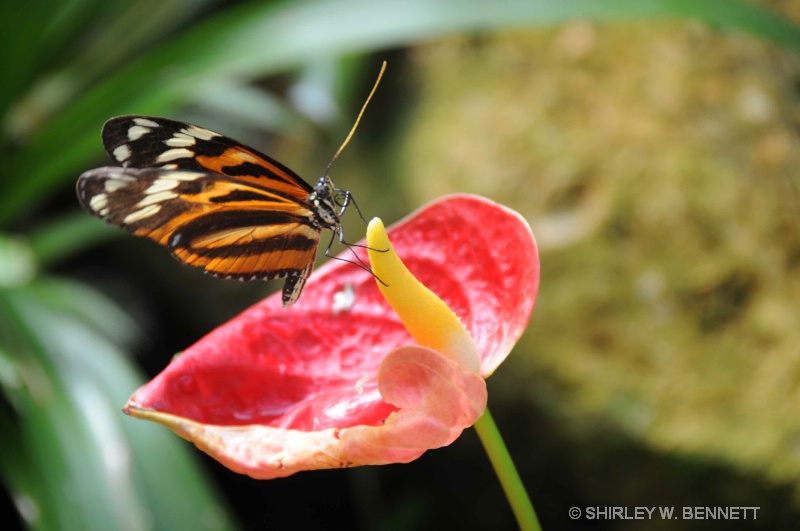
{"x": 326, "y": 199}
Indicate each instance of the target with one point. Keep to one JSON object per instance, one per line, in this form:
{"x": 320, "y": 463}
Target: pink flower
{"x": 358, "y": 373}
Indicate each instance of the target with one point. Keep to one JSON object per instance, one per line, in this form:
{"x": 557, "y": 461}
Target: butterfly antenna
{"x": 347, "y": 198}
{"x": 358, "y": 119}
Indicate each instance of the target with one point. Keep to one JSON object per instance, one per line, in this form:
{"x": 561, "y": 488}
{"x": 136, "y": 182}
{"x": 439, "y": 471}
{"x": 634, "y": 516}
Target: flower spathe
{"x": 360, "y": 372}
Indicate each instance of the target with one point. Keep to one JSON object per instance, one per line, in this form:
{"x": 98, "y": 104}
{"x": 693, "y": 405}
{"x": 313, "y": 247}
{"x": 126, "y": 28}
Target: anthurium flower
{"x": 360, "y": 370}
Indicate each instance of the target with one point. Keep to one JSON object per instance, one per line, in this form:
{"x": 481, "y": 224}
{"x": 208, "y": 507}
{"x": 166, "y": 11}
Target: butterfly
{"x": 212, "y": 201}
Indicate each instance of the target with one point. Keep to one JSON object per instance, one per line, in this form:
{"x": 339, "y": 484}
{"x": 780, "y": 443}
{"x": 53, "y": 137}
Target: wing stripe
{"x": 234, "y": 219}
{"x": 213, "y": 245}
{"x": 263, "y": 266}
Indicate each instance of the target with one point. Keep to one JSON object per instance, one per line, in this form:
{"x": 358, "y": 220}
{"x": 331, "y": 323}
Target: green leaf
{"x": 256, "y": 39}
{"x": 92, "y": 467}
{"x": 69, "y": 235}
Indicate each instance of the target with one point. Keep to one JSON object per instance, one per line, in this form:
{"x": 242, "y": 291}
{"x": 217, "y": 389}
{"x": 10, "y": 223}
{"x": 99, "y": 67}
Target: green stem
{"x": 507, "y": 473}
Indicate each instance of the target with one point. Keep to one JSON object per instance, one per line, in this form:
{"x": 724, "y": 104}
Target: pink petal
{"x": 276, "y": 390}
{"x": 436, "y": 400}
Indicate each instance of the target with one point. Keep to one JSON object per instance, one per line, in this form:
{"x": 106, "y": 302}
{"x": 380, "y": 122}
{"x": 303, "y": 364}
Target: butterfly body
{"x": 213, "y": 202}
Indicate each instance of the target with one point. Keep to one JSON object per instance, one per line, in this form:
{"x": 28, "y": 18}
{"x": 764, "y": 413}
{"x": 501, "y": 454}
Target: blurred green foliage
{"x": 69, "y": 459}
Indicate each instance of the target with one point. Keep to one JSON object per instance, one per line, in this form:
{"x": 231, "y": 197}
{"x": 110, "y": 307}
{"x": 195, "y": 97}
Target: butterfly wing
{"x": 149, "y": 142}
{"x": 213, "y": 202}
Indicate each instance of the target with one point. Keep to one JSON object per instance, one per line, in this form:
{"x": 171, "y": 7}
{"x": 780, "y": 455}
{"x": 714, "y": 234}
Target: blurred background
{"x": 653, "y": 147}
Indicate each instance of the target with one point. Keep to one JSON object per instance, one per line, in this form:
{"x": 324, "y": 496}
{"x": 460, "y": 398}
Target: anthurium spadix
{"x": 361, "y": 371}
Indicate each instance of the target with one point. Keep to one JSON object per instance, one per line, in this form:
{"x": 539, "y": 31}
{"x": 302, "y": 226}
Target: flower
{"x": 338, "y": 379}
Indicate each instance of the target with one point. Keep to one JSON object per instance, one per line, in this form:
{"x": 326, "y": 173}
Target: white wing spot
{"x": 153, "y": 198}
{"x": 139, "y": 215}
{"x": 98, "y": 202}
{"x": 145, "y": 122}
{"x": 170, "y": 166}
{"x": 181, "y": 140}
{"x": 177, "y": 153}
{"x": 162, "y": 184}
{"x": 122, "y": 153}
{"x": 185, "y": 175}
{"x": 137, "y": 131}
{"x": 199, "y": 132}
{"x": 117, "y": 181}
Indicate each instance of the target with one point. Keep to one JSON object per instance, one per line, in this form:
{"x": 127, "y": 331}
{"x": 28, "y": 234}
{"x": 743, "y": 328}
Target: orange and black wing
{"x": 214, "y": 203}
{"x": 152, "y": 142}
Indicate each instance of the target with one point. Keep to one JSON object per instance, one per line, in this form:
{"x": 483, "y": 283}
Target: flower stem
{"x": 507, "y": 473}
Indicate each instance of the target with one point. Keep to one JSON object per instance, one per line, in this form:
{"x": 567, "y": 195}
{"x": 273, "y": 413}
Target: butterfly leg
{"x": 360, "y": 263}
{"x": 350, "y": 199}
{"x": 344, "y": 202}
{"x": 344, "y": 198}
